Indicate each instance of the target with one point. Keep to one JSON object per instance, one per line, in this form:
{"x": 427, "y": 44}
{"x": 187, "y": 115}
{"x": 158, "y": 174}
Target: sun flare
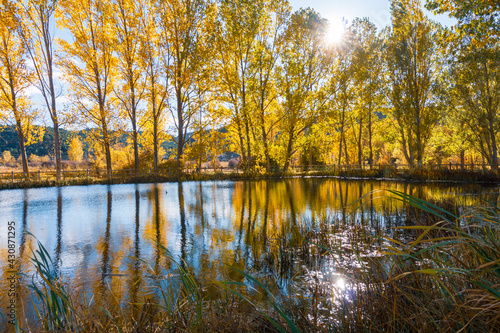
{"x": 340, "y": 284}
{"x": 335, "y": 32}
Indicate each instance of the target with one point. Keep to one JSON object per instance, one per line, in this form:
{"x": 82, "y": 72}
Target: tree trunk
{"x": 266, "y": 148}
{"x": 345, "y": 152}
{"x": 494, "y": 148}
{"x": 180, "y": 128}
{"x": 264, "y": 134}
{"x": 133, "y": 120}
{"x": 240, "y": 136}
{"x": 155, "y": 144}
{"x": 107, "y": 150}
{"x": 370, "y": 138}
{"x": 340, "y": 147}
{"x": 57, "y": 148}
{"x": 360, "y": 147}
{"x": 462, "y": 159}
{"x": 136, "y": 148}
{"x": 22, "y": 148}
{"x": 55, "y": 121}
{"x": 156, "y": 117}
{"x": 289, "y": 151}
{"x": 407, "y": 155}
{"x": 108, "y": 160}
{"x": 249, "y": 156}
{"x": 310, "y": 157}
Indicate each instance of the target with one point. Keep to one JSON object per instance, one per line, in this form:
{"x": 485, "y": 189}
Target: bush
{"x": 169, "y": 165}
{"x": 233, "y": 163}
{"x": 38, "y": 159}
{"x": 7, "y": 156}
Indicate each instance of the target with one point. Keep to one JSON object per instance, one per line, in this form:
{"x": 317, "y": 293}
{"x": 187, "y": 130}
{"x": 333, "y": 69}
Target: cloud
{"x": 33, "y": 91}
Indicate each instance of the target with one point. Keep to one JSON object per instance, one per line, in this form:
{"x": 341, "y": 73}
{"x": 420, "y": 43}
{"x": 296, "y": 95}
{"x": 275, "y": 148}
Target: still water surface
{"x": 100, "y": 236}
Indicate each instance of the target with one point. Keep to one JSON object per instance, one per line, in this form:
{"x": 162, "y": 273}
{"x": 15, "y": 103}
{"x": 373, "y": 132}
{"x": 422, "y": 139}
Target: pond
{"x": 105, "y": 240}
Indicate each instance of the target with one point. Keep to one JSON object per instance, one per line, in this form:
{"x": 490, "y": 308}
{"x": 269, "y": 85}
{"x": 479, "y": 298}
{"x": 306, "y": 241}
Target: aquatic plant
{"x": 353, "y": 277}
{"x": 56, "y": 311}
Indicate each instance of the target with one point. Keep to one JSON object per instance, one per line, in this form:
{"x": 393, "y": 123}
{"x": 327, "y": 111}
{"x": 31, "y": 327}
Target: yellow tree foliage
{"x": 40, "y": 18}
{"x": 15, "y": 77}
{"x": 412, "y": 68}
{"x": 129, "y": 29}
{"x": 89, "y": 65}
{"x": 75, "y": 150}
{"x": 7, "y": 156}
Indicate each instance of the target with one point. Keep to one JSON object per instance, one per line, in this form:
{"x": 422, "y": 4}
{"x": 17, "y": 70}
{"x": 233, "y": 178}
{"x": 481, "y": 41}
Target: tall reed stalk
{"x": 444, "y": 278}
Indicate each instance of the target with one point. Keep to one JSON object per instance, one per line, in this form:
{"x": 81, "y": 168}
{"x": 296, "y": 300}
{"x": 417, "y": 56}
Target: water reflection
{"x": 182, "y": 214}
{"x": 100, "y": 237}
{"x": 104, "y": 242}
{"x": 57, "y": 257}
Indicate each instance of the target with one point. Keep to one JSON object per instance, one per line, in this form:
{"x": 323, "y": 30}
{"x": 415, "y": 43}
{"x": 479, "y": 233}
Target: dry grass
{"x": 444, "y": 278}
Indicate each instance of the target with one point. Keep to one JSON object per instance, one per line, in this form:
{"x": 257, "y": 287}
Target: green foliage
{"x": 57, "y": 312}
{"x": 10, "y": 141}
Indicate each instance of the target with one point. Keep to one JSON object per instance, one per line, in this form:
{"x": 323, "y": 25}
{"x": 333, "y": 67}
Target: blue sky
{"x": 377, "y": 10}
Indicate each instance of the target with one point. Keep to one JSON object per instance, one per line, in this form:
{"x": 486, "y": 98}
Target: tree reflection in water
{"x": 102, "y": 237}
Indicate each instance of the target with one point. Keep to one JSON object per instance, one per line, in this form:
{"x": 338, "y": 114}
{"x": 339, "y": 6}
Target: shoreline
{"x": 451, "y": 177}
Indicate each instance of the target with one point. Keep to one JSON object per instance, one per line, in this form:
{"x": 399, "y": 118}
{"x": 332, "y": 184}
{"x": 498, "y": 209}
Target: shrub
{"x": 233, "y": 163}
{"x": 7, "y": 156}
{"x": 75, "y": 150}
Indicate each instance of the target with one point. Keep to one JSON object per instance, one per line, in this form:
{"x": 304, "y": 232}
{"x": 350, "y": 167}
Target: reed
{"x": 351, "y": 278}
{"x": 55, "y": 311}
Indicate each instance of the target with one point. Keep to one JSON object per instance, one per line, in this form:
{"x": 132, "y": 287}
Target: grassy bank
{"x": 438, "y": 273}
{"x": 388, "y": 173}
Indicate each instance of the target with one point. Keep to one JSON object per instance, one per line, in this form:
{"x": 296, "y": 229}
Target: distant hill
{"x": 10, "y": 142}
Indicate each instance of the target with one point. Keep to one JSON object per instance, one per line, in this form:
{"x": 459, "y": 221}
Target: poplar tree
{"x": 15, "y": 76}
{"x": 300, "y": 77}
{"x": 89, "y": 65}
{"x": 40, "y": 20}
{"x": 129, "y": 32}
{"x": 187, "y": 27}
{"x": 412, "y": 67}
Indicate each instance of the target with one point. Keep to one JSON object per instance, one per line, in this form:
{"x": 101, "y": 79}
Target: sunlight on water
{"x": 105, "y": 240}
{"x": 340, "y": 284}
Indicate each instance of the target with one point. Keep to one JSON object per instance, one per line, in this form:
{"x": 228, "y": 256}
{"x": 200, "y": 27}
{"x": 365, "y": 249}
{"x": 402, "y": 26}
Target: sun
{"x": 335, "y": 32}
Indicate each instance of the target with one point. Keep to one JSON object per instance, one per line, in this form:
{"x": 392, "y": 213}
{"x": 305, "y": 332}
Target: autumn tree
{"x": 129, "y": 31}
{"x": 89, "y": 63}
{"x": 40, "y": 20}
{"x": 300, "y": 77}
{"x": 262, "y": 83}
{"x": 187, "y": 26}
{"x": 472, "y": 94}
{"x": 155, "y": 60}
{"x": 367, "y": 68}
{"x": 75, "y": 150}
{"x": 241, "y": 36}
{"x": 15, "y": 76}
{"x": 412, "y": 66}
